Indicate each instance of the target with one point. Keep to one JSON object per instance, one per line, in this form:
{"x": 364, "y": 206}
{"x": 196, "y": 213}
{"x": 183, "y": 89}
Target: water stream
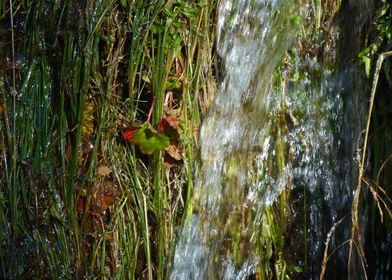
{"x": 266, "y": 135}
{"x": 252, "y": 38}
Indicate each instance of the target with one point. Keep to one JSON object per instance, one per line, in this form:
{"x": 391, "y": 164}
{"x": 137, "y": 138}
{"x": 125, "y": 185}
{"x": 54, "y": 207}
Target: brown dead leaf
{"x": 174, "y": 154}
{"x": 170, "y": 162}
{"x": 175, "y": 150}
{"x": 105, "y": 195}
{"x": 103, "y": 171}
{"x": 169, "y": 126}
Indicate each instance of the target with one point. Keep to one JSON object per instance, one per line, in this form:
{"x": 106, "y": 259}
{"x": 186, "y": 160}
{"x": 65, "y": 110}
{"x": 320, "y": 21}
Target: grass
{"x": 85, "y": 71}
{"x": 355, "y": 238}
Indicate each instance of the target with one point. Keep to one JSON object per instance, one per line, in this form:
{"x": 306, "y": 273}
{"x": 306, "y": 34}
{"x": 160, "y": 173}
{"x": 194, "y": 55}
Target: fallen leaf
{"x": 103, "y": 171}
{"x": 105, "y": 194}
{"x": 175, "y": 151}
{"x": 170, "y": 162}
{"x": 169, "y": 126}
{"x": 81, "y": 205}
{"x": 174, "y": 154}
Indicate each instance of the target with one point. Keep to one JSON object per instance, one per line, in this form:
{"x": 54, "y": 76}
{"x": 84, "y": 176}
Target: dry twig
{"x": 355, "y": 232}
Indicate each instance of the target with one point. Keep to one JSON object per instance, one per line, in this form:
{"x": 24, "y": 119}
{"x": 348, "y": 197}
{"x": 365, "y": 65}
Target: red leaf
{"x": 146, "y": 138}
{"x": 169, "y": 126}
{"x": 81, "y": 205}
{"x": 129, "y": 133}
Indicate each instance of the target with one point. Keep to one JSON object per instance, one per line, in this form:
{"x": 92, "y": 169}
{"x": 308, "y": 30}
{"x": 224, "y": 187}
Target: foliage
{"x": 146, "y": 138}
{"x": 380, "y": 35}
{"x": 75, "y": 200}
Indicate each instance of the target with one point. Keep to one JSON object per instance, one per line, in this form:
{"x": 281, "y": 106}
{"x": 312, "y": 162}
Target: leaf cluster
{"x": 380, "y": 35}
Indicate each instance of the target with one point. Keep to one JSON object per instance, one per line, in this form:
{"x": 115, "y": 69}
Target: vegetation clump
{"x": 78, "y": 80}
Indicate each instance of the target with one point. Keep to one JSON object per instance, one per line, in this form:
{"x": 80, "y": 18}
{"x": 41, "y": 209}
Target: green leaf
{"x": 367, "y": 63}
{"x": 298, "y": 269}
{"x": 296, "y": 20}
{"x": 149, "y": 140}
{"x": 173, "y": 84}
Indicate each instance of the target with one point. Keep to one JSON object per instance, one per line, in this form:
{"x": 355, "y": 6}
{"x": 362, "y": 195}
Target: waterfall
{"x": 265, "y": 135}
{"x": 252, "y": 38}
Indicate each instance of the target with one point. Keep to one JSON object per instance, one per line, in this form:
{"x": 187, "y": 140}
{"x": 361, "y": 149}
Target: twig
{"x": 325, "y": 257}
{"x": 99, "y": 218}
{"x": 354, "y": 210}
{"x": 375, "y": 197}
{"x": 362, "y": 257}
{"x": 382, "y": 168}
{"x": 151, "y": 110}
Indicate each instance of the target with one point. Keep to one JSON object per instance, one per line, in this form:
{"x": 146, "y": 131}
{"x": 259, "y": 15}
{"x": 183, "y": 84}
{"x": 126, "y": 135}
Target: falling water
{"x": 252, "y": 38}
{"x": 321, "y": 111}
